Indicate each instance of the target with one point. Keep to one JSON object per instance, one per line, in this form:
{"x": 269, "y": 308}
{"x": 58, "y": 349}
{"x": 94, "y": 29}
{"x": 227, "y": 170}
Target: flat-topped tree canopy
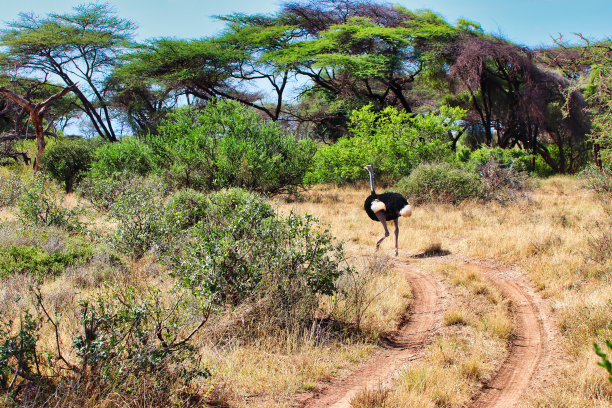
{"x": 77, "y": 48}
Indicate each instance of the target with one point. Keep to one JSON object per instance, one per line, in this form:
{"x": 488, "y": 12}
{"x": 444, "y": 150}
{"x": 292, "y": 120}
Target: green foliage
{"x": 185, "y": 209}
{"x": 138, "y": 210}
{"x": 11, "y": 188}
{"x": 124, "y": 159}
{"x": 392, "y": 140}
{"x": 605, "y": 362}
{"x": 243, "y": 252}
{"x": 520, "y": 160}
{"x": 18, "y": 351}
{"x": 228, "y": 145}
{"x": 41, "y": 204}
{"x": 102, "y": 192}
{"x": 68, "y": 160}
{"x": 599, "y": 180}
{"x": 77, "y": 48}
{"x": 38, "y": 262}
{"x": 131, "y": 338}
{"x": 137, "y": 332}
{"x": 440, "y": 183}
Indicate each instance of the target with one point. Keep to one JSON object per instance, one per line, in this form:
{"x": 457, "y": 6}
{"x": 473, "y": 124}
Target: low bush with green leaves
{"x": 68, "y": 160}
{"x": 41, "y": 204}
{"x": 394, "y": 141}
{"x": 242, "y": 252}
{"x": 18, "y": 355}
{"x": 12, "y": 187}
{"x": 597, "y": 179}
{"x": 133, "y": 342}
{"x": 519, "y": 160}
{"x": 185, "y": 209}
{"x": 39, "y": 262}
{"x": 139, "y": 212}
{"x": 227, "y": 145}
{"x": 440, "y": 183}
{"x": 129, "y": 157}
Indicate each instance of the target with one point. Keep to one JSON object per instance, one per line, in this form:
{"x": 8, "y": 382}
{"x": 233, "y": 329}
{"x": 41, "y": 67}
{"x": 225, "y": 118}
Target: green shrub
{"x": 393, "y": 141}
{"x": 68, "y": 160}
{"x": 11, "y": 188}
{"x": 243, "y": 252}
{"x": 185, "y": 209}
{"x": 228, "y": 145}
{"x": 141, "y": 332}
{"x": 41, "y": 204}
{"x": 599, "y": 180}
{"x": 18, "y": 351}
{"x": 102, "y": 192}
{"x": 134, "y": 344}
{"x": 440, "y": 183}
{"x": 139, "y": 212}
{"x": 129, "y": 157}
{"x": 38, "y": 262}
{"x": 519, "y": 160}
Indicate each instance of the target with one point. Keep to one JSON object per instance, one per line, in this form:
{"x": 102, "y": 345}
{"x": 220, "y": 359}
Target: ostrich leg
{"x": 396, "y": 234}
{"x": 381, "y": 217}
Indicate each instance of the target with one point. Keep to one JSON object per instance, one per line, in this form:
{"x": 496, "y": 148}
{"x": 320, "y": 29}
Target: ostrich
{"x": 385, "y": 207}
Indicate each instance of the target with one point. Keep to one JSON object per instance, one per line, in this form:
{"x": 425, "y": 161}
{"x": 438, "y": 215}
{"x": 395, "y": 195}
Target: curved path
{"x": 527, "y": 349}
{"x": 529, "y": 358}
{"x": 402, "y": 347}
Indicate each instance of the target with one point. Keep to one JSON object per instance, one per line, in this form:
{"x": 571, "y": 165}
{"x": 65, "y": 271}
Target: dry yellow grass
{"x": 554, "y": 237}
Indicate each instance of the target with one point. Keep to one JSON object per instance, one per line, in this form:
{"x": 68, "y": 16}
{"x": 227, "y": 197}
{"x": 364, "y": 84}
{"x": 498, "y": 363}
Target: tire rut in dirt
{"x": 398, "y": 349}
{"x": 526, "y": 350}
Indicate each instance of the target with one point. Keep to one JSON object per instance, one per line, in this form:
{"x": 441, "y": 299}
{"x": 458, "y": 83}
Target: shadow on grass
{"x": 432, "y": 251}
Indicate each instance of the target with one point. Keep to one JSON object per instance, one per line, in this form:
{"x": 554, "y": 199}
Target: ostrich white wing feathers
{"x": 377, "y": 206}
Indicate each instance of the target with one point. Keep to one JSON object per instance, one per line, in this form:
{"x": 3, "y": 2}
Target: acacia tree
{"x": 230, "y": 66}
{"x": 15, "y": 115}
{"x": 37, "y": 112}
{"x": 588, "y": 68}
{"x": 142, "y": 102}
{"x": 515, "y": 103}
{"x": 344, "y": 54}
{"x": 77, "y": 49}
{"x": 356, "y": 53}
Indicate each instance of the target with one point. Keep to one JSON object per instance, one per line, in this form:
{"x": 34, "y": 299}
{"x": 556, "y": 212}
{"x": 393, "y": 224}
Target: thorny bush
{"x": 242, "y": 252}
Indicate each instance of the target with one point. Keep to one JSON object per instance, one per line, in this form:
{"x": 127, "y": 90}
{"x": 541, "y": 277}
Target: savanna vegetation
{"x": 203, "y": 242}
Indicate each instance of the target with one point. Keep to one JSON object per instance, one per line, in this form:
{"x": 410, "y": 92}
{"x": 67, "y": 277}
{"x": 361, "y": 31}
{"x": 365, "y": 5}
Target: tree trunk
{"x": 37, "y": 114}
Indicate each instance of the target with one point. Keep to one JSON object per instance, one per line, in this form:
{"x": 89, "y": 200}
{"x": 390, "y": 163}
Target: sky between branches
{"x": 526, "y": 22}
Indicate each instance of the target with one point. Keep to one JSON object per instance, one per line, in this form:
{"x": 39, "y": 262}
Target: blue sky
{"x": 527, "y": 22}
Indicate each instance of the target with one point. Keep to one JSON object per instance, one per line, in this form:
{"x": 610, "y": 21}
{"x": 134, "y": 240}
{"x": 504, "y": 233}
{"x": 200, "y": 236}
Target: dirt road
{"x": 528, "y": 355}
{"x": 404, "y": 346}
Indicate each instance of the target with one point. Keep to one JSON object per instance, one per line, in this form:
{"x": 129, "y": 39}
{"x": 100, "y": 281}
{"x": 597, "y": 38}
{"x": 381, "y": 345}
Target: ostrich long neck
{"x": 371, "y": 181}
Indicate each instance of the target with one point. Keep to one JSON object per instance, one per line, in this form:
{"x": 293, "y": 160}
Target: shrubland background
{"x": 217, "y": 252}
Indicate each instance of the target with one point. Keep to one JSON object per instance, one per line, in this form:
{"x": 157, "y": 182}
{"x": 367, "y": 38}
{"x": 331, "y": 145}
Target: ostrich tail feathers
{"x": 406, "y": 211}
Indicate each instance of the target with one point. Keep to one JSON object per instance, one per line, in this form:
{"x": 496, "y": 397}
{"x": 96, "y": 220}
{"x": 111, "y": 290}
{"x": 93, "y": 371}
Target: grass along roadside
{"x": 467, "y": 350}
{"x": 556, "y": 237}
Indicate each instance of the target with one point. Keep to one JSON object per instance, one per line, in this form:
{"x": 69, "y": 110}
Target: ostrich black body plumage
{"x": 394, "y": 202}
{"x": 385, "y": 207}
